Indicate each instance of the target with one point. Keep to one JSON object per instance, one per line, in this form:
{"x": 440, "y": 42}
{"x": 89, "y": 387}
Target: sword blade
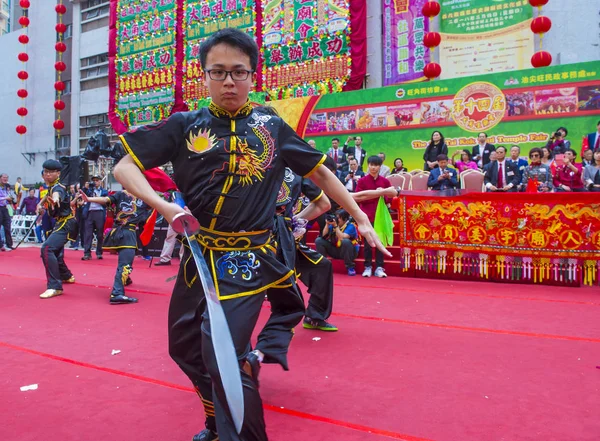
{"x": 225, "y": 353}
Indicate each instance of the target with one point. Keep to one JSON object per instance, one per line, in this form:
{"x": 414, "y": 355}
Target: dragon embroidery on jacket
{"x": 233, "y": 262}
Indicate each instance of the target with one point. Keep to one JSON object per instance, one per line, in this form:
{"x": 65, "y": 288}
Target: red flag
{"x": 159, "y": 180}
{"x": 146, "y": 235}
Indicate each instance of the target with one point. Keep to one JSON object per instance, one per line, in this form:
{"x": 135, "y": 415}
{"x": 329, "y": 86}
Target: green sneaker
{"x": 320, "y": 325}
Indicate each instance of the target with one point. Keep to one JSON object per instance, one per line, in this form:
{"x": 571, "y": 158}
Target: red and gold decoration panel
{"x": 516, "y": 232}
{"x": 60, "y": 47}
{"x": 143, "y": 48}
{"x": 201, "y": 19}
{"x": 23, "y": 57}
{"x": 305, "y": 47}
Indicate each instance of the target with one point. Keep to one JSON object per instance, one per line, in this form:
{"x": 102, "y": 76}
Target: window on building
{"x": 63, "y": 145}
{"x": 69, "y": 32}
{"x": 95, "y": 66}
{"x": 89, "y": 125}
{"x": 67, "y": 87}
{"x": 87, "y": 4}
{"x": 94, "y": 9}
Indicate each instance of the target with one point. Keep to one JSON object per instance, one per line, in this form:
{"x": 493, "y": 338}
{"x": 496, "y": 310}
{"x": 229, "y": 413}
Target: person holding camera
{"x": 339, "y": 240}
{"x": 351, "y": 177}
{"x": 442, "y": 177}
{"x": 568, "y": 177}
{"x": 95, "y": 217}
{"x": 557, "y": 144}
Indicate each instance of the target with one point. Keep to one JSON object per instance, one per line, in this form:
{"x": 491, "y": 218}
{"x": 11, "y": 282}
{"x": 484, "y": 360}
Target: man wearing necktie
{"x": 501, "y": 175}
{"x": 339, "y": 157}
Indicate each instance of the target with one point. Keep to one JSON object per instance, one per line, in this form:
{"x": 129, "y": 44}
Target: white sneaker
{"x": 367, "y": 272}
{"x": 379, "y": 272}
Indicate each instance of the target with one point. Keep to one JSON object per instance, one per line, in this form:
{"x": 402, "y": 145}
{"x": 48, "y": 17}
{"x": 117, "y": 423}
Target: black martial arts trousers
{"x": 191, "y": 347}
{"x": 316, "y": 272}
{"x": 124, "y": 268}
{"x": 53, "y": 250}
{"x": 94, "y": 223}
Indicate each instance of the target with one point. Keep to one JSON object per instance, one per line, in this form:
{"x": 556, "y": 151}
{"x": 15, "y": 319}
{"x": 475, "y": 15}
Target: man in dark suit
{"x": 442, "y": 177}
{"x": 351, "y": 177}
{"x": 502, "y": 175}
{"x": 339, "y": 157}
{"x": 95, "y": 217}
{"x": 357, "y": 151}
{"x": 482, "y": 151}
{"x": 594, "y": 138}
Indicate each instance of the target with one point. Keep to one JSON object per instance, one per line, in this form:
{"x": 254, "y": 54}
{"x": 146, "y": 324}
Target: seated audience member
{"x": 442, "y": 177}
{"x": 465, "y": 161}
{"x": 30, "y": 203}
{"x": 568, "y": 175}
{"x": 588, "y": 158}
{"x": 592, "y": 173}
{"x": 493, "y": 157}
{"x": 501, "y": 175}
{"x": 537, "y": 177}
{"x": 399, "y": 166}
{"x": 351, "y": 177}
{"x": 339, "y": 240}
{"x": 385, "y": 170}
{"x": 557, "y": 144}
{"x": 515, "y": 158}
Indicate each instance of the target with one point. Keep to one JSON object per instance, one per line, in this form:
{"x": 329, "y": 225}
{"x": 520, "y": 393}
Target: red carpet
{"x": 413, "y": 360}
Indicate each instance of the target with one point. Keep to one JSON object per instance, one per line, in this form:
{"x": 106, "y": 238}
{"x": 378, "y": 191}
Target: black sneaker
{"x": 252, "y": 366}
{"x": 128, "y": 281}
{"x": 161, "y": 263}
{"x": 320, "y": 325}
{"x": 99, "y": 257}
{"x": 86, "y": 257}
{"x": 121, "y": 300}
{"x": 206, "y": 435}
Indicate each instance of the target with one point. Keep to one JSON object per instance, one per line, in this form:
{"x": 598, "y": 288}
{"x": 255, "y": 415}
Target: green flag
{"x": 384, "y": 226}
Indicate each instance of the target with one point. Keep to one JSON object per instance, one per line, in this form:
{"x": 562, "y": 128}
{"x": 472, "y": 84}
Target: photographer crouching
{"x": 339, "y": 239}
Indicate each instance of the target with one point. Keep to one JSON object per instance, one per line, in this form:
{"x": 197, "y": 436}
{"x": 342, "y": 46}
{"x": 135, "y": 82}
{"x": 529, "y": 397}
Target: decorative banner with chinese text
{"x": 404, "y": 55}
{"x": 485, "y": 36}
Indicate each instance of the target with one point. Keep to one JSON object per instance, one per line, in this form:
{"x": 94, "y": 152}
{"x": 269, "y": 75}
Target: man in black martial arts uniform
{"x": 229, "y": 161}
{"x": 129, "y": 213}
{"x": 60, "y": 207}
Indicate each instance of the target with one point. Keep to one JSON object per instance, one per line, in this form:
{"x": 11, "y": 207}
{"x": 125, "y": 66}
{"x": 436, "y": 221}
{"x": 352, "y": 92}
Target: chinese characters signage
{"x": 305, "y": 47}
{"x": 404, "y": 27}
{"x": 485, "y": 36}
{"x": 478, "y": 107}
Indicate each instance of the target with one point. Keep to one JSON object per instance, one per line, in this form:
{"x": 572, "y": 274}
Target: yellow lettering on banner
{"x": 537, "y": 238}
{"x": 532, "y": 79}
{"x": 572, "y": 75}
{"x": 540, "y": 78}
{"x": 571, "y": 239}
{"x": 581, "y": 74}
{"x": 422, "y": 231}
{"x": 548, "y": 77}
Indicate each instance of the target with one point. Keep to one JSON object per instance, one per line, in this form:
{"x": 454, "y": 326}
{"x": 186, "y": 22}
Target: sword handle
{"x": 185, "y": 223}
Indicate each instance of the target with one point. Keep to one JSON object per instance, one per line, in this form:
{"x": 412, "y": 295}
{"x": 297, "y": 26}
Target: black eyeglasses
{"x": 236, "y": 75}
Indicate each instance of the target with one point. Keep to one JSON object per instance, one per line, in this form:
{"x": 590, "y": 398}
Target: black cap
{"x": 96, "y": 177}
{"x": 52, "y": 164}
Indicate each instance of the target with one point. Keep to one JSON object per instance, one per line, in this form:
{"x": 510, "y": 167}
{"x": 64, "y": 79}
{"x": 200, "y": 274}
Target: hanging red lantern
{"x": 24, "y": 4}
{"x": 60, "y": 8}
{"x": 24, "y": 21}
{"x": 60, "y": 28}
{"x": 541, "y": 59}
{"x": 22, "y": 111}
{"x": 432, "y": 39}
{"x": 22, "y": 93}
{"x": 432, "y": 70}
{"x": 23, "y": 39}
{"x": 23, "y": 57}
{"x": 541, "y": 25}
{"x": 60, "y": 66}
{"x": 21, "y": 130}
{"x": 59, "y": 124}
{"x": 59, "y": 85}
{"x": 59, "y": 105}
{"x": 537, "y": 3}
{"x": 431, "y": 9}
{"x": 23, "y": 75}
{"x": 60, "y": 47}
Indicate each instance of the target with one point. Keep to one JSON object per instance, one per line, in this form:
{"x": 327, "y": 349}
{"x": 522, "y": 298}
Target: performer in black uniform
{"x": 129, "y": 213}
{"x": 299, "y": 198}
{"x": 229, "y": 161}
{"x": 59, "y": 206}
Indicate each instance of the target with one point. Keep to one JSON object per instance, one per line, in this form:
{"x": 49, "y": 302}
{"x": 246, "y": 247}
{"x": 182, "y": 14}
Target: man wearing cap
{"x": 59, "y": 206}
{"x": 95, "y": 216}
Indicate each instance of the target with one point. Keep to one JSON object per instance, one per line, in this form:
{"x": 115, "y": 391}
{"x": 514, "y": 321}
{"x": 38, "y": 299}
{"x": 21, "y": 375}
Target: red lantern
{"x": 59, "y": 124}
{"x": 60, "y": 47}
{"x": 22, "y": 111}
{"x": 60, "y": 9}
{"x": 23, "y": 57}
{"x": 431, "y": 9}
{"x": 60, "y": 66}
{"x": 59, "y": 105}
{"x": 24, "y": 21}
{"x": 23, "y": 75}
{"x": 21, "y": 130}
{"x": 24, "y": 4}
{"x": 24, "y": 39}
{"x": 541, "y": 25}
{"x": 537, "y": 3}
{"x": 60, "y": 28}
{"x": 541, "y": 59}
{"x": 59, "y": 85}
{"x": 432, "y": 70}
{"x": 432, "y": 39}
{"x": 22, "y": 93}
